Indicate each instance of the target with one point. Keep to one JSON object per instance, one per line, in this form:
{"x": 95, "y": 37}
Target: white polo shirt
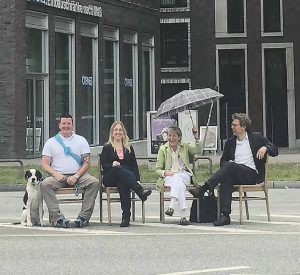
{"x": 243, "y": 153}
{"x": 60, "y": 161}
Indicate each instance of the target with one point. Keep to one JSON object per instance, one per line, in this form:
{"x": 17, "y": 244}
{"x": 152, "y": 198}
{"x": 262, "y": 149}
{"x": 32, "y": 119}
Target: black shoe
{"x": 169, "y": 212}
{"x": 197, "y": 192}
{"x": 124, "y": 223}
{"x": 184, "y": 221}
{"x": 145, "y": 193}
{"x": 222, "y": 221}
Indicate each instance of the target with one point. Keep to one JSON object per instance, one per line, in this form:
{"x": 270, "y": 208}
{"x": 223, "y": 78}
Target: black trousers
{"x": 125, "y": 180}
{"x": 228, "y": 175}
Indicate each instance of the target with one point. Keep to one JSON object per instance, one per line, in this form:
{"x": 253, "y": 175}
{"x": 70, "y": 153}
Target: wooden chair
{"x": 243, "y": 196}
{"x": 72, "y": 198}
{"x": 112, "y": 195}
{"x": 164, "y": 198}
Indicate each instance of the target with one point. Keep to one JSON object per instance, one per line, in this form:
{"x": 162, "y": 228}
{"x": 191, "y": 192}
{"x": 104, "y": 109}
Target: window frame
{"x": 266, "y": 34}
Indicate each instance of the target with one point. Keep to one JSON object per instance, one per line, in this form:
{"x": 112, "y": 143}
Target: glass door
{"x": 34, "y": 115}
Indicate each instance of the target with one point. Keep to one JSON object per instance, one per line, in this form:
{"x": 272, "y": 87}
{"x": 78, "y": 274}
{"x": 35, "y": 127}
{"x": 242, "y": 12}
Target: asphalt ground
{"x": 255, "y": 247}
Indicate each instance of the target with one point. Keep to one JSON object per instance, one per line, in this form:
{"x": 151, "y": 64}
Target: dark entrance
{"x": 232, "y": 86}
{"x": 276, "y": 96}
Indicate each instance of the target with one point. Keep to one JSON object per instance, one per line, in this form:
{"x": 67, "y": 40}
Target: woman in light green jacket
{"x": 174, "y": 169}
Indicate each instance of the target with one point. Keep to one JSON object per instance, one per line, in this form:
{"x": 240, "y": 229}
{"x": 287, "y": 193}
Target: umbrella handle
{"x": 206, "y": 130}
{"x": 191, "y": 118}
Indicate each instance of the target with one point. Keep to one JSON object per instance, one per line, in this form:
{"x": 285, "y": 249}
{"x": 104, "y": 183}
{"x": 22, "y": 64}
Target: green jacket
{"x": 164, "y": 159}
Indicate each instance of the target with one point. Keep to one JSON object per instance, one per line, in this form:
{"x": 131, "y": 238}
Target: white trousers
{"x": 178, "y": 183}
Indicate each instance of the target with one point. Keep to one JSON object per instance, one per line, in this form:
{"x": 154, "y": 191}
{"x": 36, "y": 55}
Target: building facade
{"x": 247, "y": 49}
{"x": 97, "y": 60}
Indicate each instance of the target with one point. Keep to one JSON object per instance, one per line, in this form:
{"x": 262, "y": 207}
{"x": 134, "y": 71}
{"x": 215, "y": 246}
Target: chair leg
{"x": 268, "y": 206}
{"x": 198, "y": 208}
{"x": 218, "y": 203}
{"x": 143, "y": 212}
{"x": 241, "y": 205}
{"x": 246, "y": 205}
{"x": 133, "y": 207}
{"x": 108, "y": 208}
{"x": 162, "y": 207}
{"x": 101, "y": 205}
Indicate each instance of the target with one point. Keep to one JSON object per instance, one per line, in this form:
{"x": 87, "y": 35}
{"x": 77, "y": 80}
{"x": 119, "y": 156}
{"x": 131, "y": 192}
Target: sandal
{"x": 169, "y": 212}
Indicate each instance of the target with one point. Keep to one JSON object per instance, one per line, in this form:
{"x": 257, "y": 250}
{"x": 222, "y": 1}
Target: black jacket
{"x": 109, "y": 155}
{"x": 256, "y": 140}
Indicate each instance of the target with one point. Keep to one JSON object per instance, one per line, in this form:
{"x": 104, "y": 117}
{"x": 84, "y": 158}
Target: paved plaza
{"x": 256, "y": 247}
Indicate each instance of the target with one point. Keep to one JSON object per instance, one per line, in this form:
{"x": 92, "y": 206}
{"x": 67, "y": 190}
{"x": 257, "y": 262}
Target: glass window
{"x": 126, "y": 97}
{"x": 62, "y": 74}
{"x": 144, "y": 93}
{"x": 109, "y": 87}
{"x": 85, "y": 115}
{"x": 173, "y": 3}
{"x": 34, "y": 46}
{"x": 271, "y": 15}
{"x": 174, "y": 45}
{"x": 235, "y": 16}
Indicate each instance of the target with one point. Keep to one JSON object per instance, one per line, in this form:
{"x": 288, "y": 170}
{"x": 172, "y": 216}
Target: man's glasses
{"x": 234, "y": 125}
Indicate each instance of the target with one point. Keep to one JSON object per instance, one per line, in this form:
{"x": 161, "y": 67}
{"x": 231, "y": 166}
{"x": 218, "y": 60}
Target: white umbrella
{"x": 189, "y": 100}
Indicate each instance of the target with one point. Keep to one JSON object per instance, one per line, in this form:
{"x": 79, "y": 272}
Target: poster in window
{"x": 211, "y": 137}
{"x": 157, "y": 133}
{"x": 186, "y": 121}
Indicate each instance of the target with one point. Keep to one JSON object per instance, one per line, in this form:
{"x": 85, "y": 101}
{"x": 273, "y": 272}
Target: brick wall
{"x": 12, "y": 78}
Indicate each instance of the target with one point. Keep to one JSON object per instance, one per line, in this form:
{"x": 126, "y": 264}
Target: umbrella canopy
{"x": 187, "y": 100}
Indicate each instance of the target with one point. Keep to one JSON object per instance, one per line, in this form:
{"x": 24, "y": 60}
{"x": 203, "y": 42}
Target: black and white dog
{"x": 33, "y": 200}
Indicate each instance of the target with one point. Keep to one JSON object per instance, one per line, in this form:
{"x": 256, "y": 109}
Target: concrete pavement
{"x": 256, "y": 247}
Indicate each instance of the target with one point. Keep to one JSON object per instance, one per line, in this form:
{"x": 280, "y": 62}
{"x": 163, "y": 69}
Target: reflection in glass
{"x": 34, "y": 50}
{"x": 34, "y": 116}
{"x": 84, "y": 95}
{"x": 109, "y": 88}
{"x": 126, "y": 97}
{"x": 62, "y": 74}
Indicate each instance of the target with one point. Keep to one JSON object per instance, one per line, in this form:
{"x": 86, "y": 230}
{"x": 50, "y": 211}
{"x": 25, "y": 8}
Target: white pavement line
{"x": 82, "y": 232}
{"x": 207, "y": 228}
{"x": 275, "y": 223}
{"x": 69, "y": 231}
{"x": 281, "y": 216}
{"x": 208, "y": 270}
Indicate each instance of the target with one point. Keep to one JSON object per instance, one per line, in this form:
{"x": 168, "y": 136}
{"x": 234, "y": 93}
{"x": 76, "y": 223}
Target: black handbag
{"x": 207, "y": 209}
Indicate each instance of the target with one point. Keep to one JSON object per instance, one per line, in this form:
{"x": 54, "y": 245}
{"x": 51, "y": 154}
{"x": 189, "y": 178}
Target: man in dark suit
{"x": 242, "y": 162}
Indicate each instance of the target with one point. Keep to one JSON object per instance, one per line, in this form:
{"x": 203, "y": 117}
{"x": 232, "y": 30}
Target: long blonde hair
{"x": 125, "y": 139}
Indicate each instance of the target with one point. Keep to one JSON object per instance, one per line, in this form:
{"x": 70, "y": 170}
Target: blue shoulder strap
{"x": 67, "y": 150}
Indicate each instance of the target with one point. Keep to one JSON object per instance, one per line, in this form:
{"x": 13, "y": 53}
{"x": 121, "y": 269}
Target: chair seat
{"x": 249, "y": 188}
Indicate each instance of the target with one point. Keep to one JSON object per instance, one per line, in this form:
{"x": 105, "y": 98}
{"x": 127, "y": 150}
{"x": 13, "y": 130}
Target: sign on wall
{"x": 71, "y": 5}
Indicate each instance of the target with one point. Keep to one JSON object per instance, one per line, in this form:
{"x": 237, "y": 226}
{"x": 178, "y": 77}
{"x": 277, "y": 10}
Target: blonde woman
{"x": 120, "y": 169}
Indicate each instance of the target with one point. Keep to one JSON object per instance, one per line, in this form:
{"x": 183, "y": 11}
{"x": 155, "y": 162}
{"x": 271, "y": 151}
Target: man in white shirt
{"x": 242, "y": 162}
{"x": 66, "y": 157}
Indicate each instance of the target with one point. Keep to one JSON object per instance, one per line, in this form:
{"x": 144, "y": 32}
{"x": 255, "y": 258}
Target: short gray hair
{"x": 176, "y": 129}
{"x": 244, "y": 120}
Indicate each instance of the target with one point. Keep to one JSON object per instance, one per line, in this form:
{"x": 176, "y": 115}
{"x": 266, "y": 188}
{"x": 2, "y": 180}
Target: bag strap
{"x": 68, "y": 150}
